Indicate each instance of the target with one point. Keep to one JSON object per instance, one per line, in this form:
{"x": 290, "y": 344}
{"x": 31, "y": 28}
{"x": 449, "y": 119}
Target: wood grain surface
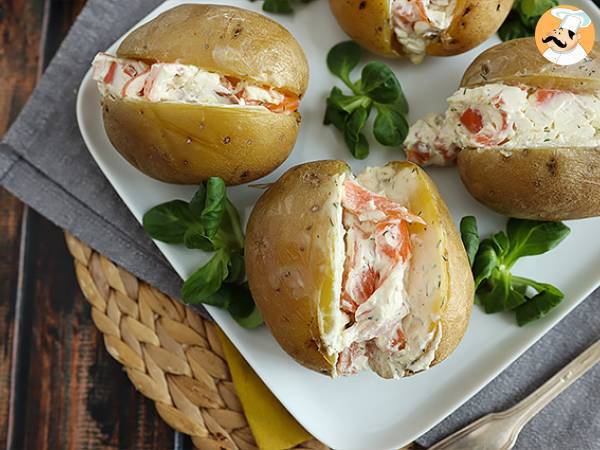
{"x": 59, "y": 388}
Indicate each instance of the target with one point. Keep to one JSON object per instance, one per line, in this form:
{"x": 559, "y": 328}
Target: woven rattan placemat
{"x": 170, "y": 353}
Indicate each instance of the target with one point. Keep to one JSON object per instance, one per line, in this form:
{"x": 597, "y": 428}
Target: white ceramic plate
{"x": 365, "y": 411}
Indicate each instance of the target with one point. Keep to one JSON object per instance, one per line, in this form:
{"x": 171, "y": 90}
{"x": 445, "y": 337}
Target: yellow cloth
{"x": 272, "y": 425}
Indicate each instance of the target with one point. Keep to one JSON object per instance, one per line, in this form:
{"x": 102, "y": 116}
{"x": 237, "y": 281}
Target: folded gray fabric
{"x": 44, "y": 162}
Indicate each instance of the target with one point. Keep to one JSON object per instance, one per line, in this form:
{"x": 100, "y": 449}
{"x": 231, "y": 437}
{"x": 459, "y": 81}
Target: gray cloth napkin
{"x": 44, "y": 162}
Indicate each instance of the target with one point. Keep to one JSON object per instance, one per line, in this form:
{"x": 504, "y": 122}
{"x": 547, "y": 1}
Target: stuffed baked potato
{"x": 413, "y": 28}
{"x": 552, "y": 180}
{"x": 350, "y": 272}
{"x": 524, "y": 132}
{"x": 216, "y": 97}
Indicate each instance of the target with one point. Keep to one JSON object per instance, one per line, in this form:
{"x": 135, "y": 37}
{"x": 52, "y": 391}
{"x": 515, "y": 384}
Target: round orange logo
{"x": 565, "y": 35}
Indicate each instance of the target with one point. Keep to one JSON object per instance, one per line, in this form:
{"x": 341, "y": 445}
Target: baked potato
{"x": 413, "y": 28}
{"x": 355, "y": 272}
{"x": 217, "y": 97}
{"x": 524, "y": 133}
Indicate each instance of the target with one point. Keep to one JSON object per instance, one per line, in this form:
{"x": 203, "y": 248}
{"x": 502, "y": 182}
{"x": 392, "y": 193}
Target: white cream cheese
{"x": 409, "y": 360}
{"x": 185, "y": 84}
{"x": 433, "y": 342}
{"x": 424, "y": 281}
{"x": 260, "y": 94}
{"x": 177, "y": 83}
{"x": 505, "y": 117}
{"x": 393, "y": 332}
{"x": 418, "y": 22}
{"x": 114, "y": 75}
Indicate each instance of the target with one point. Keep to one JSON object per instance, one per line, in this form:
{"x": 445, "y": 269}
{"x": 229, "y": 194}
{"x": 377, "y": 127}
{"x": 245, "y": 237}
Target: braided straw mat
{"x": 170, "y": 353}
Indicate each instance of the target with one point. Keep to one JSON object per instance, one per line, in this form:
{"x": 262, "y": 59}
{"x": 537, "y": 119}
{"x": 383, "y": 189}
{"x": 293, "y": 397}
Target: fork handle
{"x": 527, "y": 408}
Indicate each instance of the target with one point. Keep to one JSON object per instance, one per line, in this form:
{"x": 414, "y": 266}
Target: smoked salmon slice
{"x": 378, "y": 230}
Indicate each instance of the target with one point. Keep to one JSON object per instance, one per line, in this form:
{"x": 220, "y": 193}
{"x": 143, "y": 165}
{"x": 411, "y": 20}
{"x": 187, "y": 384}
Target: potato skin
{"x": 519, "y": 62}
{"x": 368, "y": 22}
{"x": 288, "y": 240}
{"x": 186, "y": 144}
{"x": 223, "y": 39}
{"x": 542, "y": 183}
{"x": 288, "y": 259}
{"x": 474, "y": 21}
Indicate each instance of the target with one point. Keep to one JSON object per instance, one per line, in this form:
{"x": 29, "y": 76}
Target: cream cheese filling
{"x": 389, "y": 332}
{"x": 177, "y": 83}
{"x": 505, "y": 117}
{"x": 417, "y": 22}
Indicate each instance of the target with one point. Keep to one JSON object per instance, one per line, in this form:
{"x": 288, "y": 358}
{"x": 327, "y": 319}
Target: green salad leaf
{"x": 207, "y": 279}
{"x": 378, "y": 88}
{"x": 355, "y": 140}
{"x": 496, "y": 288}
{"x": 532, "y": 237}
{"x": 343, "y": 59}
{"x": 214, "y": 206}
{"x": 209, "y": 222}
{"x": 530, "y": 11}
{"x": 513, "y": 28}
{"x": 547, "y": 298}
{"x": 379, "y": 83}
{"x": 195, "y": 238}
{"x": 390, "y": 127}
{"x": 470, "y": 236}
{"x": 523, "y": 18}
{"x": 280, "y": 6}
{"x": 486, "y": 260}
{"x": 244, "y": 311}
{"x": 168, "y": 221}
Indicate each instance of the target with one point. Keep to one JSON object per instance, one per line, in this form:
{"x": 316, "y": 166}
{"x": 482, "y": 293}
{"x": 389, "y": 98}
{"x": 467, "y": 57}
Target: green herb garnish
{"x": 497, "y": 289}
{"x": 280, "y": 6}
{"x": 523, "y": 17}
{"x": 378, "y": 88}
{"x": 211, "y": 223}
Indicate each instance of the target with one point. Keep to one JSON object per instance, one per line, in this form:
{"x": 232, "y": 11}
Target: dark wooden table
{"x": 59, "y": 388}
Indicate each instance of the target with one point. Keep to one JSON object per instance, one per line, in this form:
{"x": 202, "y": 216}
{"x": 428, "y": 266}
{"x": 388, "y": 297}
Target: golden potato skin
{"x": 187, "y": 144}
{"x": 368, "y": 22}
{"x": 288, "y": 258}
{"x": 474, "y": 21}
{"x": 542, "y": 183}
{"x": 288, "y": 239}
{"x": 223, "y": 39}
{"x": 519, "y": 62}
{"x": 182, "y": 143}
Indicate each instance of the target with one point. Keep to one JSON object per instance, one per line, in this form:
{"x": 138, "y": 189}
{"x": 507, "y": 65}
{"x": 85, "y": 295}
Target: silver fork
{"x": 499, "y": 431}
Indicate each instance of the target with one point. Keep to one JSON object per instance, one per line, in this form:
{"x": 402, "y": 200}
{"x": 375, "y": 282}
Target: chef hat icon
{"x": 571, "y": 19}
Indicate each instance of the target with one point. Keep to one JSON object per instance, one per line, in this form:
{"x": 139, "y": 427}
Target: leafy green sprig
{"x": 523, "y": 17}
{"x": 211, "y": 223}
{"x": 496, "y": 288}
{"x": 378, "y": 88}
{"x": 280, "y": 6}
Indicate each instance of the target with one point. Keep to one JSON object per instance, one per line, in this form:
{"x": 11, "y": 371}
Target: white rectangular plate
{"x": 365, "y": 411}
